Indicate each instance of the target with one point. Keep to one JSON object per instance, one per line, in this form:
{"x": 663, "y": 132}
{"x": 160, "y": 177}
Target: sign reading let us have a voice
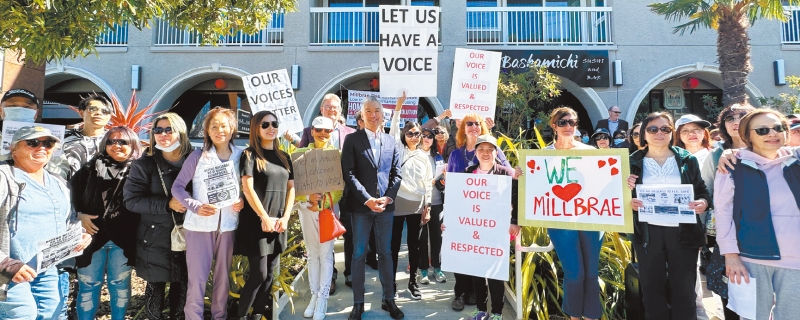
{"x": 477, "y": 216}
{"x": 409, "y": 50}
{"x": 576, "y": 190}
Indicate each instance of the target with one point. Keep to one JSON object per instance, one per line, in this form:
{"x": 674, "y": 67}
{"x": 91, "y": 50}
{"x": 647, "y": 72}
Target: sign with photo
{"x": 222, "y": 184}
{"x": 355, "y": 98}
{"x": 665, "y": 203}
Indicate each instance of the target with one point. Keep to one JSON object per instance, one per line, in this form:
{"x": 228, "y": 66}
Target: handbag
{"x": 329, "y": 226}
{"x": 178, "y": 235}
{"x": 711, "y": 223}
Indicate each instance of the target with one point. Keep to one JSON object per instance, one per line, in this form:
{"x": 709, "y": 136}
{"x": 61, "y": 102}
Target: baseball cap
{"x": 487, "y": 138}
{"x": 794, "y": 124}
{"x": 601, "y": 131}
{"x": 690, "y": 118}
{"x": 20, "y": 93}
{"x": 322, "y": 123}
{"x": 32, "y": 132}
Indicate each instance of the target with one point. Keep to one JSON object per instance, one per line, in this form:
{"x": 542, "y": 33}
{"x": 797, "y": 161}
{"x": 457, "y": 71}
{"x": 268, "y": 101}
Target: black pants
{"x": 412, "y": 222}
{"x": 154, "y": 300}
{"x": 432, "y": 231}
{"x": 729, "y": 314}
{"x": 257, "y": 291}
{"x": 482, "y": 292}
{"x": 344, "y": 218}
{"x": 463, "y": 284}
{"x": 664, "y": 250}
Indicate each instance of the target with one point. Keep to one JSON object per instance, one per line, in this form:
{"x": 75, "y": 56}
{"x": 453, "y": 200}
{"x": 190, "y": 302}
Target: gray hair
{"x": 368, "y": 100}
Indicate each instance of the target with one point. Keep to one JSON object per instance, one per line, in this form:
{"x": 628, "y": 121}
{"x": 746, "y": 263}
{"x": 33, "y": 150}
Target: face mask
{"x": 585, "y": 139}
{"x": 618, "y": 141}
{"x": 19, "y": 114}
{"x": 171, "y": 148}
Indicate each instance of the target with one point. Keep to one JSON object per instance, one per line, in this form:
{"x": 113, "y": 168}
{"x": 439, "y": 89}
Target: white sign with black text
{"x": 409, "y": 50}
{"x": 272, "y": 91}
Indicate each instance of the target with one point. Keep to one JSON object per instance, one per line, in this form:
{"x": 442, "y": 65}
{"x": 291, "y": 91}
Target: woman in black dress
{"x": 268, "y": 185}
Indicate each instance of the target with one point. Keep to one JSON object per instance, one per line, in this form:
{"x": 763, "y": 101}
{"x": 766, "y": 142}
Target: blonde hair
{"x": 177, "y": 124}
{"x": 461, "y": 134}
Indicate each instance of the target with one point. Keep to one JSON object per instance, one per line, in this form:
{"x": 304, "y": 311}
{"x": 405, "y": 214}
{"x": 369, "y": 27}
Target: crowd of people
{"x": 148, "y": 209}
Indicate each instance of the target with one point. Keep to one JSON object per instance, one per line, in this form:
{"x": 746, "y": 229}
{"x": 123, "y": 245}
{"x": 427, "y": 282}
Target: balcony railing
{"x": 344, "y": 26}
{"x": 167, "y": 35}
{"x": 790, "y": 31}
{"x": 113, "y": 37}
{"x": 539, "y": 26}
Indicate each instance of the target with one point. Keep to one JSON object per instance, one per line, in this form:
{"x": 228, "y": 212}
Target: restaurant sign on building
{"x": 587, "y": 68}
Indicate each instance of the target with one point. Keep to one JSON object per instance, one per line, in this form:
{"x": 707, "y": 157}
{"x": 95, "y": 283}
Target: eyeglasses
{"x": 117, "y": 142}
{"x": 635, "y": 135}
{"x": 412, "y": 134}
{"x": 318, "y": 130}
{"x": 696, "y": 132}
{"x": 266, "y": 124}
{"x": 47, "y": 143}
{"x": 104, "y": 111}
{"x": 160, "y": 130}
{"x": 565, "y": 122}
{"x": 471, "y": 123}
{"x": 765, "y": 131}
{"x": 330, "y": 107}
{"x": 734, "y": 117}
{"x": 654, "y": 129}
{"x": 427, "y": 136}
{"x": 601, "y": 137}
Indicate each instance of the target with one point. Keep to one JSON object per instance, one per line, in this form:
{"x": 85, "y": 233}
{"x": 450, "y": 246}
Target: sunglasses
{"x": 267, "y": 124}
{"x": 617, "y": 112}
{"x": 437, "y": 132}
{"x": 601, "y": 137}
{"x": 734, "y": 117}
{"x": 35, "y": 143}
{"x": 654, "y": 129}
{"x": 635, "y": 135}
{"x": 765, "y": 131}
{"x": 104, "y": 111}
{"x": 412, "y": 134}
{"x": 117, "y": 142}
{"x": 427, "y": 136}
{"x": 564, "y": 122}
{"x": 472, "y": 123}
{"x": 160, "y": 130}
{"x": 318, "y": 130}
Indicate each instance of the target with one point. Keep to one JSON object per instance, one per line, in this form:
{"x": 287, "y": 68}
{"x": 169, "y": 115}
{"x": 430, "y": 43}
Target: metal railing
{"x": 344, "y": 26}
{"x": 539, "y": 26}
{"x": 790, "y": 30}
{"x": 113, "y": 37}
{"x": 167, "y": 35}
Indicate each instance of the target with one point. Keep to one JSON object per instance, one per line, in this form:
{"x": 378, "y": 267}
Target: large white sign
{"x": 272, "y": 91}
{"x": 477, "y": 215}
{"x": 409, "y": 50}
{"x": 10, "y": 127}
{"x": 475, "y": 83}
{"x": 355, "y": 99}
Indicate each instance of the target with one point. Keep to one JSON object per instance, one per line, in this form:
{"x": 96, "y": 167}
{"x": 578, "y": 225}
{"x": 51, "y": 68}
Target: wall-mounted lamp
{"x": 779, "y": 71}
{"x": 295, "y": 77}
{"x": 136, "y": 77}
{"x": 617, "y": 64}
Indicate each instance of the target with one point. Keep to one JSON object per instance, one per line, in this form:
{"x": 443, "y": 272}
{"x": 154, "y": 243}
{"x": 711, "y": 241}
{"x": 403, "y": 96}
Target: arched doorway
{"x": 66, "y": 86}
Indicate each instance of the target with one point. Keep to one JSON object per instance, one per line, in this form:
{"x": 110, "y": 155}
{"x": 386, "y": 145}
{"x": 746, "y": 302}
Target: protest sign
{"x": 409, "y": 50}
{"x": 59, "y": 248}
{"x": 355, "y": 98}
{"x": 477, "y": 216}
{"x": 10, "y": 127}
{"x": 317, "y": 171}
{"x": 222, "y": 184}
{"x": 272, "y": 91}
{"x": 474, "y": 87}
{"x": 576, "y": 190}
{"x": 666, "y": 203}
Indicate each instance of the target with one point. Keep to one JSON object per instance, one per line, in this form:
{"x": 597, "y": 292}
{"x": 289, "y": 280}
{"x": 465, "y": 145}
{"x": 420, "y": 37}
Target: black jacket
{"x": 690, "y": 235}
{"x": 144, "y": 194}
{"x": 117, "y": 225}
{"x": 621, "y": 125}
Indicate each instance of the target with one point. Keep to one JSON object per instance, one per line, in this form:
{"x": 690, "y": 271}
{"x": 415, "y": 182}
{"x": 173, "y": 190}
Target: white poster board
{"x": 666, "y": 203}
{"x": 355, "y": 98}
{"x": 409, "y": 50}
{"x": 10, "y": 127}
{"x": 477, "y": 216}
{"x": 474, "y": 89}
{"x": 272, "y": 91}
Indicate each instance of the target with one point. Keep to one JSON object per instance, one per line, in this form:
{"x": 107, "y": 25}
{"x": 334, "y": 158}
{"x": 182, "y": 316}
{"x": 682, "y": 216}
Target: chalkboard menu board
{"x": 587, "y": 68}
{"x": 243, "y": 121}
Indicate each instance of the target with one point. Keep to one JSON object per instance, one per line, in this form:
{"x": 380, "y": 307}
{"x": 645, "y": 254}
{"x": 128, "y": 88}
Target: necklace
{"x": 471, "y": 162}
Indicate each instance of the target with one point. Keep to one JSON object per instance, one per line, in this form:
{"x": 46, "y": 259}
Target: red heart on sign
{"x": 614, "y": 171}
{"x": 547, "y": 194}
{"x": 567, "y": 192}
{"x": 532, "y": 164}
{"x": 612, "y": 161}
{"x": 601, "y": 163}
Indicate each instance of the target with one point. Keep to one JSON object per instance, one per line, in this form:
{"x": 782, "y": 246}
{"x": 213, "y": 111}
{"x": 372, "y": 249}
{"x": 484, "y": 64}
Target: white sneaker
{"x": 311, "y": 305}
{"x": 322, "y": 307}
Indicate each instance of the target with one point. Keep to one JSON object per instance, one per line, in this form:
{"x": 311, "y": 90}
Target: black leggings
{"x": 154, "y": 299}
{"x": 257, "y": 291}
{"x": 411, "y": 222}
{"x": 434, "y": 229}
{"x": 482, "y": 291}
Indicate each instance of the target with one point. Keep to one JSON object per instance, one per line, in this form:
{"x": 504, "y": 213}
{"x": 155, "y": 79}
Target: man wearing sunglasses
{"x": 81, "y": 144}
{"x": 613, "y": 123}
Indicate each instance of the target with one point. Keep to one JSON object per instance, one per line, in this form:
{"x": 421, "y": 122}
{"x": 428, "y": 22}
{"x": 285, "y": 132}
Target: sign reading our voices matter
{"x": 474, "y": 87}
{"x": 272, "y": 91}
{"x": 576, "y": 190}
{"x": 409, "y": 50}
{"x": 477, "y": 216}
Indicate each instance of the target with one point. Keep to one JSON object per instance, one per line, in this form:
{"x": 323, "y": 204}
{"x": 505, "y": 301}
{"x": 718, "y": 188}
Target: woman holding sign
{"x": 662, "y": 243}
{"x": 320, "y": 255}
{"x": 268, "y": 186}
{"x": 212, "y": 215}
{"x": 579, "y": 251}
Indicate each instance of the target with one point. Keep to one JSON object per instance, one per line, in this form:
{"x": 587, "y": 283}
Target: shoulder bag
{"x": 329, "y": 226}
{"x": 178, "y": 235}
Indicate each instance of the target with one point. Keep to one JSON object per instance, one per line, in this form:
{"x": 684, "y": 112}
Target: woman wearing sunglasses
{"x": 268, "y": 186}
{"x": 601, "y": 139}
{"x": 211, "y": 216}
{"x": 320, "y": 255}
{"x": 147, "y": 192}
{"x": 633, "y": 138}
{"x": 761, "y": 194}
{"x": 661, "y": 244}
{"x": 412, "y": 205}
{"x": 579, "y": 251}
{"x": 97, "y": 197}
{"x": 433, "y": 229}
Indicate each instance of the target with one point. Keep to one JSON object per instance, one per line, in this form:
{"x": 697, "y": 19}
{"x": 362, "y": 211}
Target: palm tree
{"x": 731, "y": 19}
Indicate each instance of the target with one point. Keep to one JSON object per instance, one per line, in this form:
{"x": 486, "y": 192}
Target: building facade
{"x": 606, "y": 52}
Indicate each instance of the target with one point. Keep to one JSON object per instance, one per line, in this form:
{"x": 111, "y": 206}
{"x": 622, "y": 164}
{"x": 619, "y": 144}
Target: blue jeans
{"x": 39, "y": 299}
{"x": 108, "y": 260}
{"x": 579, "y": 253}
{"x": 363, "y": 223}
{"x": 63, "y": 289}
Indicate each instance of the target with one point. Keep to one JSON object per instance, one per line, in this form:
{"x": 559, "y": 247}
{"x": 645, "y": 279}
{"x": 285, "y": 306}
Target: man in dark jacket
{"x": 613, "y": 123}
